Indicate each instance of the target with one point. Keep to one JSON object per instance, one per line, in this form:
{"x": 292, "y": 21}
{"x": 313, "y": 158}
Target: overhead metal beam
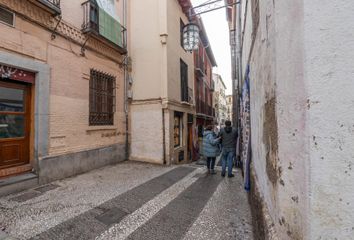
{"x": 208, "y": 7}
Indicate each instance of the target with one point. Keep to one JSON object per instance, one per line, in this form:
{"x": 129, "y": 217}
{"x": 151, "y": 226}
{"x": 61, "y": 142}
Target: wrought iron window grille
{"x": 102, "y": 96}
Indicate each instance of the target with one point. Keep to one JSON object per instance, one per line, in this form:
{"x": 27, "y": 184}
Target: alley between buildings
{"x": 175, "y": 202}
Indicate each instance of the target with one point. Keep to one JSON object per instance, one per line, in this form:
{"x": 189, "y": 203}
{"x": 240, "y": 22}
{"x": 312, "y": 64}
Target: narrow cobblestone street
{"x": 131, "y": 201}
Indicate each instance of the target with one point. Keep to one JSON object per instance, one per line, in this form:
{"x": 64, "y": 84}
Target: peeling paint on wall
{"x": 270, "y": 140}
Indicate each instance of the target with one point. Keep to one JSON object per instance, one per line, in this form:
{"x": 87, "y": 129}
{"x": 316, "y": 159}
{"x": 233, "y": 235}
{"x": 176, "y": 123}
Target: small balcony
{"x": 199, "y": 66}
{"x": 190, "y": 96}
{"x": 52, "y": 6}
{"x": 212, "y": 86}
{"x": 203, "y": 109}
{"x": 102, "y": 26}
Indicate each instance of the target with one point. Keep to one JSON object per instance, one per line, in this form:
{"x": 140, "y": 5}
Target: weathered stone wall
{"x": 329, "y": 54}
{"x": 301, "y": 89}
{"x": 271, "y": 46}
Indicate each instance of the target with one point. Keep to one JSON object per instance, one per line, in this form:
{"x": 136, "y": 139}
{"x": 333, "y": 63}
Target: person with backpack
{"x": 228, "y": 138}
{"x": 210, "y": 148}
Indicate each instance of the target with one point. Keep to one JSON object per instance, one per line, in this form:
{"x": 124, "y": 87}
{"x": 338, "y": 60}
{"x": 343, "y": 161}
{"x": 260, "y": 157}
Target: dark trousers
{"x": 211, "y": 162}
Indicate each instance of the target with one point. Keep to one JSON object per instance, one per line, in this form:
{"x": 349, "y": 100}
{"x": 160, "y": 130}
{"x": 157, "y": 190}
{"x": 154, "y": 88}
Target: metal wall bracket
{"x": 208, "y": 7}
{"x": 55, "y": 29}
{"x": 83, "y": 46}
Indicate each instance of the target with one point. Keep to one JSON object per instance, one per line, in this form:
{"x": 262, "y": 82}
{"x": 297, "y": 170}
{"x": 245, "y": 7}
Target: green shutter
{"x": 110, "y": 28}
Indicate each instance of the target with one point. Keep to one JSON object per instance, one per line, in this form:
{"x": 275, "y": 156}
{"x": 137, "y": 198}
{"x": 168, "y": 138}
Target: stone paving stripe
{"x": 46, "y": 188}
{"x": 85, "y": 226}
{"x": 133, "y": 221}
{"x": 199, "y": 175}
{"x": 26, "y": 196}
{"x": 111, "y": 216}
{"x": 173, "y": 221}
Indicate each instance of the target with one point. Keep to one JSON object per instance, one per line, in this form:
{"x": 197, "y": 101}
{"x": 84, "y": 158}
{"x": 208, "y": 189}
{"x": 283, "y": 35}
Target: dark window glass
{"x": 181, "y": 25}
{"x": 11, "y": 100}
{"x": 12, "y": 126}
{"x": 102, "y": 98}
{"x": 6, "y": 17}
{"x": 184, "y": 81}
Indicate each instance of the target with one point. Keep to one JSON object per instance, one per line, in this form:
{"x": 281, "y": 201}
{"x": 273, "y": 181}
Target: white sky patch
{"x": 218, "y": 33}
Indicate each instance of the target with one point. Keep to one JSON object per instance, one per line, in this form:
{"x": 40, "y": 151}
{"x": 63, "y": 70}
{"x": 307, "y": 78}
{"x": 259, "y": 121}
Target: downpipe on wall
{"x": 163, "y": 136}
{"x": 125, "y": 66}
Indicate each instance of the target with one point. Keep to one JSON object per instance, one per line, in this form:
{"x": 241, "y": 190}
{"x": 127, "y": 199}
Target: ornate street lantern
{"x": 190, "y": 37}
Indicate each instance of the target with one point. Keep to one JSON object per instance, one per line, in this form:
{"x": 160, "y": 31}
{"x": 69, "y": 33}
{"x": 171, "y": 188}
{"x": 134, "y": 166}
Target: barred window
{"x": 102, "y": 98}
{"x": 178, "y": 128}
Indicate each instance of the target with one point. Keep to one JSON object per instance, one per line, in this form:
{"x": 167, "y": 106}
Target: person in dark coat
{"x": 228, "y": 138}
{"x": 210, "y": 148}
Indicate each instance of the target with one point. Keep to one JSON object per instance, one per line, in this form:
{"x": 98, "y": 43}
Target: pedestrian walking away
{"x": 210, "y": 148}
{"x": 228, "y": 138}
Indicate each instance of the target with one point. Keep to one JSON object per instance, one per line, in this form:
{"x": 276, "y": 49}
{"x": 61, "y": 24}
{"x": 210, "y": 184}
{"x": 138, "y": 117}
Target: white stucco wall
{"x": 301, "y": 92}
{"x": 329, "y": 61}
{"x": 175, "y": 52}
{"x": 145, "y": 48}
{"x": 278, "y": 97}
{"x": 154, "y": 44}
{"x": 146, "y": 133}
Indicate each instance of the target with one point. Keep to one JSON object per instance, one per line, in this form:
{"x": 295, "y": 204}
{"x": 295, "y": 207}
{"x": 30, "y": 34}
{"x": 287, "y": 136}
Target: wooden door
{"x": 15, "y": 113}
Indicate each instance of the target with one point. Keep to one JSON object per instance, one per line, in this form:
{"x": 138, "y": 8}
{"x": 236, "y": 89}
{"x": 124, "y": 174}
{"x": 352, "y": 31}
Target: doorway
{"x": 15, "y": 124}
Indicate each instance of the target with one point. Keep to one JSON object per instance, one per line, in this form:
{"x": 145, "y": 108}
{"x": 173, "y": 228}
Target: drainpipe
{"x": 163, "y": 136}
{"x": 125, "y": 64}
{"x": 239, "y": 65}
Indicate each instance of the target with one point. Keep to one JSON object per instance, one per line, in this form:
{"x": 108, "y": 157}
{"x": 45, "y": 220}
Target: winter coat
{"x": 210, "y": 144}
{"x": 228, "y": 137}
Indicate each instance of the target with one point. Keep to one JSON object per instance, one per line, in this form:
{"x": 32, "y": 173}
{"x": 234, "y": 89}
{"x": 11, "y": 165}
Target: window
{"x": 178, "y": 129}
{"x": 181, "y": 25}
{"x": 108, "y": 6}
{"x": 184, "y": 81}
{"x": 102, "y": 98}
{"x": 7, "y": 17}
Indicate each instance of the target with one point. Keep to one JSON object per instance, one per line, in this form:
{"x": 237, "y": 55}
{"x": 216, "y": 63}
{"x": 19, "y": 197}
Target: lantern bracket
{"x": 209, "y": 6}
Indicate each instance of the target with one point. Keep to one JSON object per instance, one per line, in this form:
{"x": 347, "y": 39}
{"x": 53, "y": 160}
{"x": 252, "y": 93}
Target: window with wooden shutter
{"x": 102, "y": 98}
{"x": 7, "y": 17}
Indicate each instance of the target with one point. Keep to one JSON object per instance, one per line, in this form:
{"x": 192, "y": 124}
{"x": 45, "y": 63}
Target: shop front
{"x": 15, "y": 120}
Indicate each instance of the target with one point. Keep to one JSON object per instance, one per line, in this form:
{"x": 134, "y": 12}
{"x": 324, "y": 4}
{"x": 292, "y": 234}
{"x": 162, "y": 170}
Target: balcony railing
{"x": 103, "y": 26}
{"x": 199, "y": 66}
{"x": 212, "y": 86}
{"x": 52, "y": 6}
{"x": 190, "y": 95}
{"x": 204, "y": 108}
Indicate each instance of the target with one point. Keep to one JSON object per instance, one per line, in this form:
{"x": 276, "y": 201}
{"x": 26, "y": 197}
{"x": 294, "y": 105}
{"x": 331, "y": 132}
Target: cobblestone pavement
{"x": 131, "y": 201}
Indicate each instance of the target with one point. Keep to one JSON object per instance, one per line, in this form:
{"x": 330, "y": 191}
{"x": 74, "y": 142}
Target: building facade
{"x": 204, "y": 61}
{"x": 219, "y": 101}
{"x": 300, "y": 81}
{"x": 162, "y": 105}
{"x": 229, "y": 107}
{"x": 236, "y": 73}
{"x": 61, "y": 88}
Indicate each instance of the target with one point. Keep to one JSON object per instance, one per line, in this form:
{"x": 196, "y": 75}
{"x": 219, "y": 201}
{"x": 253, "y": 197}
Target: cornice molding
{"x": 33, "y": 13}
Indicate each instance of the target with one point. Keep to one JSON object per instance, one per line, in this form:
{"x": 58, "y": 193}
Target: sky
{"x": 218, "y": 33}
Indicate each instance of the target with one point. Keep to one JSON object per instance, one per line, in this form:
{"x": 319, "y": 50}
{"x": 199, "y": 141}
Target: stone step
{"x": 18, "y": 183}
